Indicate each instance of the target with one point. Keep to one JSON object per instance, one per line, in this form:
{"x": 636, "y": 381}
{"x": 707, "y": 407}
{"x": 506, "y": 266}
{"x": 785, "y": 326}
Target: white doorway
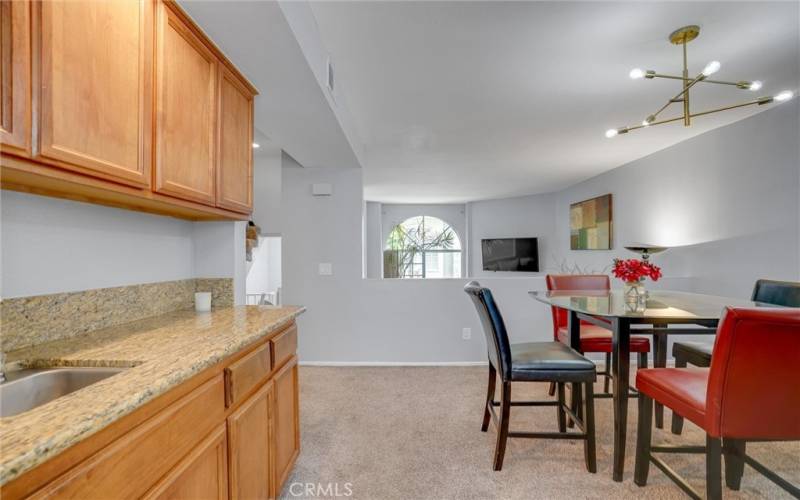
{"x": 264, "y": 275}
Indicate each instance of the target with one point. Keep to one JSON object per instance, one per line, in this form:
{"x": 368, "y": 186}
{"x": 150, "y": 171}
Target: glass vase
{"x": 635, "y": 296}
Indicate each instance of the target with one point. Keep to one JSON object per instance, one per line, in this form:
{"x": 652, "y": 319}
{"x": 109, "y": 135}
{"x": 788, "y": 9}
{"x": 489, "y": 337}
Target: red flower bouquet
{"x": 635, "y": 270}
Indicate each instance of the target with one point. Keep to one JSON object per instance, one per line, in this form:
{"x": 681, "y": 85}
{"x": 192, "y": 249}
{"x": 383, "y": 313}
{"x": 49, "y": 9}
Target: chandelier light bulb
{"x": 782, "y": 96}
{"x": 711, "y": 68}
{"x": 636, "y": 73}
{"x": 681, "y": 37}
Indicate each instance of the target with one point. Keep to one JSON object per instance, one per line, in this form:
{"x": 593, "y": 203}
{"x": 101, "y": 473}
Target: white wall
{"x": 219, "y": 252}
{"x": 474, "y": 221}
{"x": 734, "y": 192}
{"x": 392, "y": 214}
{"x": 373, "y": 240}
{"x": 267, "y": 168}
{"x": 727, "y": 201}
{"x": 265, "y": 272}
{"x": 350, "y": 319}
{"x": 525, "y": 216}
{"x": 52, "y": 245}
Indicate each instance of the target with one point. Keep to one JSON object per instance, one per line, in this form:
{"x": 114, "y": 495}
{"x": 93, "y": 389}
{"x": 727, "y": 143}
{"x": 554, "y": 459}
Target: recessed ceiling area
{"x": 459, "y": 101}
{"x": 291, "y": 109}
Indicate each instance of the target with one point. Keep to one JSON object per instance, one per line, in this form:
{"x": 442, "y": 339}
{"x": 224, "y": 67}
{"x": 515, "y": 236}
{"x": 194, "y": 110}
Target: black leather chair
{"x": 780, "y": 293}
{"x": 533, "y": 362}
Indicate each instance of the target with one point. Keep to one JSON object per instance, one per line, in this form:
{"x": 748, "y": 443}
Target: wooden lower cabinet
{"x": 250, "y": 435}
{"x": 287, "y": 419}
{"x": 203, "y": 475}
{"x": 187, "y": 444}
{"x": 130, "y": 465}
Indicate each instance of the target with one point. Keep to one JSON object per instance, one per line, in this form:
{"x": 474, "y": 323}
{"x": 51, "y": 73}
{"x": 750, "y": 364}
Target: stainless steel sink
{"x": 31, "y": 388}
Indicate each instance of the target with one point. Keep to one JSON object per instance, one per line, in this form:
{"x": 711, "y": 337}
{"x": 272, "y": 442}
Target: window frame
{"x": 423, "y": 253}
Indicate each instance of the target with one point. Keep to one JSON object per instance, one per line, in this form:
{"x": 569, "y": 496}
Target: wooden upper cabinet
{"x": 15, "y": 77}
{"x": 186, "y": 102}
{"x": 235, "y": 163}
{"x": 95, "y": 87}
{"x": 124, "y": 103}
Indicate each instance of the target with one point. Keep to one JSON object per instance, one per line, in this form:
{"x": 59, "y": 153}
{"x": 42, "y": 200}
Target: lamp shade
{"x": 644, "y": 249}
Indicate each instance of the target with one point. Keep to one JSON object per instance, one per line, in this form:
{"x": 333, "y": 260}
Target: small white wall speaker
{"x": 321, "y": 189}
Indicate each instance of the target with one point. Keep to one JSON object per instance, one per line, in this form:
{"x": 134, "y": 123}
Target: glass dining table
{"x": 697, "y": 314}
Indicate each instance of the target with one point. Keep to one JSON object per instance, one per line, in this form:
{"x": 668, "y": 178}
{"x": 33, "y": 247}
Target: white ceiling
{"x": 459, "y": 101}
{"x": 291, "y": 110}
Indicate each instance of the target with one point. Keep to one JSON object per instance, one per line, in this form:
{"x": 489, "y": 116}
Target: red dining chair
{"x": 749, "y": 393}
{"x": 781, "y": 293}
{"x": 593, "y": 337}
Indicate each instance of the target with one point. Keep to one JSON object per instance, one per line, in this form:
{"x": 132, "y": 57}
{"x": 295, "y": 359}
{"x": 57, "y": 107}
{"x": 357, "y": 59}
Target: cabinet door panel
{"x": 185, "y": 112}
{"x": 15, "y": 74}
{"x": 131, "y": 465}
{"x": 203, "y": 474}
{"x": 250, "y": 440}
{"x": 96, "y": 87}
{"x": 286, "y": 417}
{"x": 235, "y": 165}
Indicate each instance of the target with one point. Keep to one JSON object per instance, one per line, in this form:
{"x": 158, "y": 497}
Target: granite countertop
{"x": 160, "y": 353}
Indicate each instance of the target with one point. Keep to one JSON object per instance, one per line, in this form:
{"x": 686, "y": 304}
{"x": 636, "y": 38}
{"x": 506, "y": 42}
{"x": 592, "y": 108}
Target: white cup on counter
{"x": 202, "y": 301}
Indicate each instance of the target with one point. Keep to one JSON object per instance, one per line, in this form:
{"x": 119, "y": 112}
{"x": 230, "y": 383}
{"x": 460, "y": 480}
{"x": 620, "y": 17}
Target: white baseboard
{"x": 393, "y": 363}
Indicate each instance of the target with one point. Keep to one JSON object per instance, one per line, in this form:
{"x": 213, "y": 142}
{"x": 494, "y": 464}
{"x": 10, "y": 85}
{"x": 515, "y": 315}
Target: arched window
{"x": 422, "y": 247}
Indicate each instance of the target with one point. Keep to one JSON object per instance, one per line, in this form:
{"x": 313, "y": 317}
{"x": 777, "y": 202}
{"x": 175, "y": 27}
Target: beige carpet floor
{"x": 414, "y": 433}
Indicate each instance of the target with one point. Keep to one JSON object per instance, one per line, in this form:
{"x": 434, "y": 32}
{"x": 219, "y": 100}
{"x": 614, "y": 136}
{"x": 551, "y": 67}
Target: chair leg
{"x": 573, "y": 404}
{"x": 713, "y": 468}
{"x": 487, "y": 415}
{"x": 734, "y": 450}
{"x": 660, "y": 361}
{"x": 562, "y": 415}
{"x": 502, "y": 430}
{"x": 642, "y": 360}
{"x": 677, "y": 420}
{"x": 588, "y": 423}
{"x": 606, "y": 373}
{"x": 577, "y": 403}
{"x": 643, "y": 440}
{"x": 552, "y": 389}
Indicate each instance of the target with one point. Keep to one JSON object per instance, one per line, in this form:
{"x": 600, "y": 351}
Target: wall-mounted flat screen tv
{"x": 510, "y": 254}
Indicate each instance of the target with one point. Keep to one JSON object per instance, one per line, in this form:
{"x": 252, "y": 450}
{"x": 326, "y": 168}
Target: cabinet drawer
{"x": 245, "y": 374}
{"x": 284, "y": 346}
{"x": 129, "y": 466}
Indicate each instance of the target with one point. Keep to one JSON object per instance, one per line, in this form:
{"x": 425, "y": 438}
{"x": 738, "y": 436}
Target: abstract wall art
{"x": 590, "y": 224}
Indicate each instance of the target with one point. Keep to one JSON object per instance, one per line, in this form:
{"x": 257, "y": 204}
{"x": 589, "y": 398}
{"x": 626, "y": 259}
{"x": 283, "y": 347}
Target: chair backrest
{"x": 754, "y": 379}
{"x": 782, "y": 293}
{"x": 573, "y": 282}
{"x": 494, "y": 328}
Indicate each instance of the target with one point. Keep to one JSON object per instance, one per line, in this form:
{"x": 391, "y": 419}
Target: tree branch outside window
{"x": 422, "y": 247}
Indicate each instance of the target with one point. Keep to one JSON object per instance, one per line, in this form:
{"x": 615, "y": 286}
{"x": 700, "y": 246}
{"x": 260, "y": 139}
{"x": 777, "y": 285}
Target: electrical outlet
{"x": 466, "y": 333}
{"x": 325, "y": 269}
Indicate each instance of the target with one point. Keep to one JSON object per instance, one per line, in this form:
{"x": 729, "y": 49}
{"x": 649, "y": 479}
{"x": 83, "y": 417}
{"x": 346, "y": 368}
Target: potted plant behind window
{"x": 633, "y": 272}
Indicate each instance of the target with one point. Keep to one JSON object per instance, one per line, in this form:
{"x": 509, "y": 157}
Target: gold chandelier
{"x": 681, "y": 37}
